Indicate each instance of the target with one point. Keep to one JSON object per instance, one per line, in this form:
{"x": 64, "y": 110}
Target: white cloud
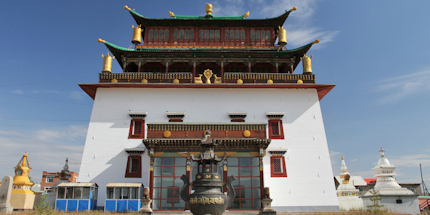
{"x": 304, "y": 36}
{"x": 47, "y": 149}
{"x": 19, "y": 92}
{"x": 300, "y": 30}
{"x": 402, "y": 86}
{"x": 77, "y": 95}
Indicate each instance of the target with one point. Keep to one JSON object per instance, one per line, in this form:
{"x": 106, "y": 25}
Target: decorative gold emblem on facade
{"x": 144, "y": 81}
{"x": 114, "y": 81}
{"x": 199, "y": 177}
{"x": 246, "y": 133}
{"x": 167, "y": 133}
{"x": 299, "y": 81}
{"x": 217, "y": 80}
{"x": 239, "y": 81}
{"x": 208, "y": 176}
{"x": 270, "y": 81}
{"x": 176, "y": 81}
{"x": 216, "y": 177}
{"x": 107, "y": 63}
{"x": 198, "y": 80}
{"x": 208, "y": 75}
{"x": 307, "y": 66}
{"x": 209, "y": 9}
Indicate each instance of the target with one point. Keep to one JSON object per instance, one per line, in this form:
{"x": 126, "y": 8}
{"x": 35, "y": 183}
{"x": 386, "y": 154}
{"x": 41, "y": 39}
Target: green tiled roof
{"x": 210, "y": 20}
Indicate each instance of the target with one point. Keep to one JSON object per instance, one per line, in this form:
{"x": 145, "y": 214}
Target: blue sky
{"x": 376, "y": 52}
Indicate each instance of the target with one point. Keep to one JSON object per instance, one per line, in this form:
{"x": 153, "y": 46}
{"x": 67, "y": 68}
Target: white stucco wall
{"x": 309, "y": 185}
{"x": 409, "y": 205}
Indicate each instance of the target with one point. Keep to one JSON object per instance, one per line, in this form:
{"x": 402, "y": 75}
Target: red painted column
{"x": 222, "y": 71}
{"x": 167, "y": 67}
{"x": 194, "y": 71}
{"x": 261, "y": 174}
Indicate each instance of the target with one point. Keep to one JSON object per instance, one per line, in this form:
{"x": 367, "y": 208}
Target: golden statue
{"x": 198, "y": 80}
{"x": 107, "y": 63}
{"x": 208, "y": 75}
{"x": 217, "y": 80}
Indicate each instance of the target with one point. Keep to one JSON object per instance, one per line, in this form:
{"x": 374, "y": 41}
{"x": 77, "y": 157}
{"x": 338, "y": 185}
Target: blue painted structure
{"x": 76, "y": 196}
{"x": 123, "y": 197}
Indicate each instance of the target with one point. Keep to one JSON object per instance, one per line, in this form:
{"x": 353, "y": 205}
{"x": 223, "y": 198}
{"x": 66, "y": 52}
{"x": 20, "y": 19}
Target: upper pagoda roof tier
{"x": 209, "y": 20}
{"x": 225, "y": 53}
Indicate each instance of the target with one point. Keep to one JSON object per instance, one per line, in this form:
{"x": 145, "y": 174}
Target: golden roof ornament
{"x": 246, "y": 14}
{"x": 171, "y": 14}
{"x": 316, "y": 41}
{"x": 209, "y": 9}
{"x": 294, "y": 9}
{"x": 137, "y": 34}
{"x": 307, "y": 66}
{"x": 127, "y": 8}
{"x": 107, "y": 63}
{"x": 282, "y": 36}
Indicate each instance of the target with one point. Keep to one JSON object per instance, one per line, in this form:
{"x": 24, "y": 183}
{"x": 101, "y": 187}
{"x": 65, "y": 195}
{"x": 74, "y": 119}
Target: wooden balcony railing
{"x": 212, "y": 45}
{"x": 187, "y": 77}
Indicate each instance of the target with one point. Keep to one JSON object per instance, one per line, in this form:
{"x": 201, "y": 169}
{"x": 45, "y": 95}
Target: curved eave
{"x": 215, "y": 22}
{"x": 322, "y": 89}
{"x": 118, "y": 51}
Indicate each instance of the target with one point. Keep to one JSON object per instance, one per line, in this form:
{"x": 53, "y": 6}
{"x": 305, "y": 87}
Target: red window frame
{"x": 135, "y": 125}
{"x": 276, "y": 130}
{"x": 277, "y": 166}
{"x": 134, "y": 171}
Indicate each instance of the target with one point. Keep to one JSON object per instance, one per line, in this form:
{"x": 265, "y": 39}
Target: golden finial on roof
{"x": 343, "y": 158}
{"x": 209, "y": 9}
{"x": 294, "y": 9}
{"x": 100, "y": 40}
{"x": 316, "y": 41}
{"x": 246, "y": 14}
{"x": 171, "y": 14}
{"x": 382, "y": 150}
{"x": 127, "y": 8}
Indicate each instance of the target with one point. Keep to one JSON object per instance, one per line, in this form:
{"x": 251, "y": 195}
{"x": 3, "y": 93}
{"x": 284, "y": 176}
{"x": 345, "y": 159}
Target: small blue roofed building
{"x": 122, "y": 197}
{"x": 76, "y": 196}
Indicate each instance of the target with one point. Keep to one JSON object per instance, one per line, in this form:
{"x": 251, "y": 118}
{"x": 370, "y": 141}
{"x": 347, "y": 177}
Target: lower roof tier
{"x": 219, "y": 54}
{"x": 322, "y": 89}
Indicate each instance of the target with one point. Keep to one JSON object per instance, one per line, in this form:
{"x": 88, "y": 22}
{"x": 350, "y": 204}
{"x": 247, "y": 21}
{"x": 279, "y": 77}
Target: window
{"x": 275, "y": 129}
{"x": 167, "y": 183}
{"x": 134, "y": 167}
{"x": 277, "y": 166}
{"x": 247, "y": 185}
{"x": 48, "y": 189}
{"x": 49, "y": 179}
{"x": 137, "y": 130}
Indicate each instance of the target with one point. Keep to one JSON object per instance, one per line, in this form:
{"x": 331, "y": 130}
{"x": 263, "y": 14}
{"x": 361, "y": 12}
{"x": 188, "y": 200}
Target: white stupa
{"x": 347, "y": 194}
{"x": 393, "y": 196}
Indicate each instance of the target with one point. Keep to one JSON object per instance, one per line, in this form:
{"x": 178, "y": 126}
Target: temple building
{"x": 233, "y": 76}
{"x": 392, "y": 196}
